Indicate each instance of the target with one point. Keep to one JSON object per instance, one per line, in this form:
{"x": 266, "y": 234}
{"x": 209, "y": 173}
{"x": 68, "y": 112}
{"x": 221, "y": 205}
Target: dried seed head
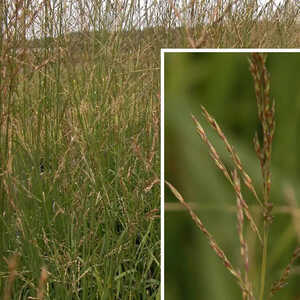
{"x": 277, "y": 285}
{"x": 235, "y": 158}
{"x": 213, "y": 244}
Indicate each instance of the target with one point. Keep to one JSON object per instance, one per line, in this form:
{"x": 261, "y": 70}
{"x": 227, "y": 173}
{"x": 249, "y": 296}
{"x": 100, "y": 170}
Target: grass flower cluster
{"x": 263, "y": 149}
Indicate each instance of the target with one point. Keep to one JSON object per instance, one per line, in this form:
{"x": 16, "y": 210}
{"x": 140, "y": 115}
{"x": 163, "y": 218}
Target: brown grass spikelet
{"x": 213, "y": 153}
{"x": 240, "y": 217}
{"x": 266, "y": 115}
{"x": 244, "y": 205}
{"x": 211, "y": 241}
{"x": 277, "y": 285}
{"x": 235, "y": 158}
{"x": 216, "y": 158}
{"x": 243, "y": 243}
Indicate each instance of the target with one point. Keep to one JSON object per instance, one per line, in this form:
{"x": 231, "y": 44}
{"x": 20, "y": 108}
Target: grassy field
{"x": 79, "y": 143}
{"x": 80, "y": 161}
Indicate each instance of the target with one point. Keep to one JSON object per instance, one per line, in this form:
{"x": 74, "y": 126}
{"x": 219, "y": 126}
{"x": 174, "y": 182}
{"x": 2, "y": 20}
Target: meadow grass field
{"x": 79, "y": 143}
{"x": 80, "y": 164}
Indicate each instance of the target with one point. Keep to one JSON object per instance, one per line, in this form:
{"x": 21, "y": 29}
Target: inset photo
{"x": 231, "y": 166}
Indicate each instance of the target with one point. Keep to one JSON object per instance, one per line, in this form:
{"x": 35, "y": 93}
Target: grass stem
{"x": 264, "y": 261}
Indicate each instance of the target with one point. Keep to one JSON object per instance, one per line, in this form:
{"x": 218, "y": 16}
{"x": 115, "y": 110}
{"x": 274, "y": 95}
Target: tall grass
{"x": 79, "y": 156}
{"x": 79, "y": 115}
{"x": 247, "y": 273}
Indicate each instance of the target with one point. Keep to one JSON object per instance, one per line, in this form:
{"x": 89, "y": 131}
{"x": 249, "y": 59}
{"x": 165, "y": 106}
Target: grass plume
{"x": 250, "y": 290}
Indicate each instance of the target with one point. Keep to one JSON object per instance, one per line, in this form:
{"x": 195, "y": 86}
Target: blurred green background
{"x": 223, "y": 83}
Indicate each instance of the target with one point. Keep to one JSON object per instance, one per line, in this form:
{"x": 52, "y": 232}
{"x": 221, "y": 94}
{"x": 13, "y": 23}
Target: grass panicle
{"x": 212, "y": 151}
{"x": 211, "y": 241}
{"x": 263, "y": 150}
{"x": 266, "y": 115}
{"x": 216, "y": 158}
{"x": 235, "y": 158}
{"x": 277, "y": 285}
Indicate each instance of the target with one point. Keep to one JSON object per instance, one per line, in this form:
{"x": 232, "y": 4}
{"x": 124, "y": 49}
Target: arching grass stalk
{"x": 243, "y": 283}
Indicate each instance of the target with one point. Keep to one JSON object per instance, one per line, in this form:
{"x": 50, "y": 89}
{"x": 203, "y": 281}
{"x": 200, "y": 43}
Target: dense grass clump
{"x": 79, "y": 151}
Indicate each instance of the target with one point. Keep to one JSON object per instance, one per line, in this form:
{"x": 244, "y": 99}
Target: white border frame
{"x": 227, "y": 50}
{"x": 162, "y": 131}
